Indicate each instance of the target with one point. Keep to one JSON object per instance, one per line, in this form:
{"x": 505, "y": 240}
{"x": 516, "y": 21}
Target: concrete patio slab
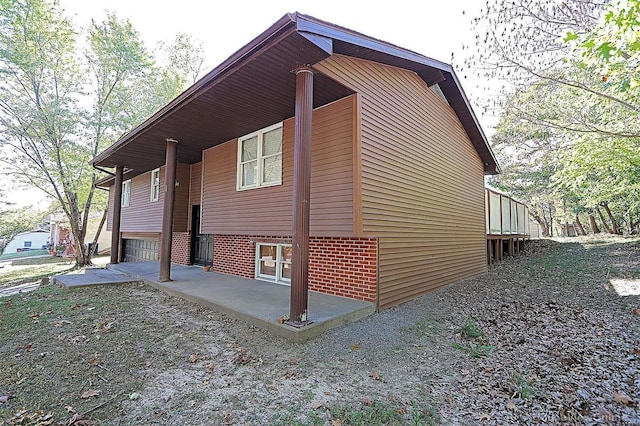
{"x": 258, "y": 302}
{"x": 92, "y": 277}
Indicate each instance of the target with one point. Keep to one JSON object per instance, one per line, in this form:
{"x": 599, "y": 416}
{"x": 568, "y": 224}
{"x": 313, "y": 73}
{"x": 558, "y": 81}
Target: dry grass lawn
{"x": 545, "y": 338}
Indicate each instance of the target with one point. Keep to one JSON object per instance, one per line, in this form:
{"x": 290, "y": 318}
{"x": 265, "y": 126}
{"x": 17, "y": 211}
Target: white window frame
{"x": 154, "y": 193}
{"x": 260, "y": 160}
{"x": 278, "y": 278}
{"x": 126, "y": 193}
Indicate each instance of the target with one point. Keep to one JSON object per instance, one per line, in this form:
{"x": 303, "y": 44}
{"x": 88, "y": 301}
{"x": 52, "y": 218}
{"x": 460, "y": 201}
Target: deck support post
{"x": 301, "y": 197}
{"x": 115, "y": 215}
{"x": 166, "y": 239}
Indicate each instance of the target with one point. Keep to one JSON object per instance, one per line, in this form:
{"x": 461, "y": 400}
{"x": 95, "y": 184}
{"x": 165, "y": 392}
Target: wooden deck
{"x": 507, "y": 226}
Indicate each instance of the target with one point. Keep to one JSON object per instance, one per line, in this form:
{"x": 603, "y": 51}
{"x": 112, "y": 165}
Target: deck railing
{"x": 507, "y": 225}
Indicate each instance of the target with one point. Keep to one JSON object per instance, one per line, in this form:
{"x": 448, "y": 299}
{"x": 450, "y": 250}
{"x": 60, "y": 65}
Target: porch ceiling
{"x": 259, "y": 92}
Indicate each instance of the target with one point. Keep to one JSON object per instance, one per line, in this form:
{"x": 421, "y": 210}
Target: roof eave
{"x": 284, "y": 24}
{"x": 488, "y": 167}
{"x": 325, "y": 29}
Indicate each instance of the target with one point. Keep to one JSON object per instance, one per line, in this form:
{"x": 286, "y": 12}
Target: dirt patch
{"x": 25, "y": 270}
{"x": 542, "y": 338}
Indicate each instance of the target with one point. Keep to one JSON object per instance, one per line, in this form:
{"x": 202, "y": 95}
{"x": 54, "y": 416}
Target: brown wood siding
{"x": 195, "y": 185}
{"x": 422, "y": 181}
{"x": 268, "y": 211}
{"x": 143, "y": 215}
{"x": 195, "y": 189}
{"x": 153, "y": 236}
{"x": 181, "y": 206}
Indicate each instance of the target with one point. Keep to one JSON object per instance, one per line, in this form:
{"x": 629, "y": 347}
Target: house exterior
{"x": 315, "y": 157}
{"x": 507, "y": 223}
{"x": 60, "y": 232}
{"x": 25, "y": 241}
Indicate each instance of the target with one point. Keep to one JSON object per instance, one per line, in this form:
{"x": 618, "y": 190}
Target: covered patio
{"x": 257, "y": 302}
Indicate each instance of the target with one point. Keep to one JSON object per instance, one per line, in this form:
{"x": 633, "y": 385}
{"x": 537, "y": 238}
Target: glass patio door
{"x": 273, "y": 262}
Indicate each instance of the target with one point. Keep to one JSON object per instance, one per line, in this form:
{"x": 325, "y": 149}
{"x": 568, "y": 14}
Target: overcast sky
{"x": 433, "y": 28}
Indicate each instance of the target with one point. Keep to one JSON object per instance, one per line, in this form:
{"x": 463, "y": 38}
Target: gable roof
{"x": 255, "y": 87}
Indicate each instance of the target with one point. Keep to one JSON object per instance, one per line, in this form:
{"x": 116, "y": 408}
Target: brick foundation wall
{"x": 344, "y": 266}
{"x": 340, "y": 266}
{"x": 234, "y": 255}
{"x": 181, "y": 248}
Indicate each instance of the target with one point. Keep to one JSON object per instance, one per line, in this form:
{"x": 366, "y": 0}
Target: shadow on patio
{"x": 258, "y": 302}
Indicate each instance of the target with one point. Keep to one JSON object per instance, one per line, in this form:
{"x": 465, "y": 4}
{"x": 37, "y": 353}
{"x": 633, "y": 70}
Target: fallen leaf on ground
{"x": 29, "y": 347}
{"x": 193, "y": 358}
{"x": 511, "y": 406}
{"x": 78, "y": 420}
{"x": 90, "y": 393}
{"x": 4, "y": 398}
{"x": 316, "y": 405}
{"x": 402, "y": 410}
{"x": 78, "y": 339}
{"x": 134, "y": 396}
{"x": 606, "y": 414}
{"x": 211, "y": 367}
{"x": 621, "y": 398}
{"x": 374, "y": 375}
{"x": 69, "y": 409}
{"x": 105, "y": 325}
{"x": 95, "y": 360}
{"x": 367, "y": 402}
{"x": 336, "y": 422}
{"x": 354, "y": 347}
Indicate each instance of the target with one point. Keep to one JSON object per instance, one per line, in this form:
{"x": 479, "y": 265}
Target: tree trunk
{"x": 579, "y": 224}
{"x": 604, "y": 222}
{"x": 78, "y": 230}
{"x": 541, "y": 222}
{"x": 97, "y": 236}
{"x": 614, "y": 224}
{"x": 593, "y": 224}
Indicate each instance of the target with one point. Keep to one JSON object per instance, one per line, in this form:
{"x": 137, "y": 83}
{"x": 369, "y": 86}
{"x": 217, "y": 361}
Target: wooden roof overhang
{"x": 255, "y": 87}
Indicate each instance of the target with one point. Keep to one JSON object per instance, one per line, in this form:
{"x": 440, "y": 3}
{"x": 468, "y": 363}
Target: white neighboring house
{"x": 60, "y": 232}
{"x": 31, "y": 240}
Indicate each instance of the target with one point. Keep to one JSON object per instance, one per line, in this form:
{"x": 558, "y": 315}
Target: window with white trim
{"x": 260, "y": 158}
{"x": 155, "y": 185}
{"x": 273, "y": 262}
{"x": 126, "y": 193}
{"x": 27, "y": 243}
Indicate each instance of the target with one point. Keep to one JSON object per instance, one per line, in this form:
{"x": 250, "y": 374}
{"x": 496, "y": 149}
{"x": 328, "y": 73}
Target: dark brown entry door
{"x": 201, "y": 244}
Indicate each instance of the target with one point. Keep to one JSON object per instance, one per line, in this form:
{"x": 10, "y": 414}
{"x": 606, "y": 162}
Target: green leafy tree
{"x": 14, "y": 221}
{"x": 614, "y": 47}
{"x": 186, "y": 56}
{"x": 59, "y": 108}
{"x": 570, "y": 114}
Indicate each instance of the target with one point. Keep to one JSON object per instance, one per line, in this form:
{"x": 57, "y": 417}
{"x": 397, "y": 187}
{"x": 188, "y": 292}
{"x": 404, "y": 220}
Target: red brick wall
{"x": 344, "y": 266}
{"x": 234, "y": 255}
{"x": 181, "y": 248}
{"x": 337, "y": 265}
